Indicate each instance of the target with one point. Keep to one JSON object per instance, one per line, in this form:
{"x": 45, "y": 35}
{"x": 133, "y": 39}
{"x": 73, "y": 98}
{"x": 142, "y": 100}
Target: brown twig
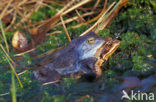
{"x": 82, "y": 98}
{"x": 22, "y": 72}
{"x": 73, "y": 18}
{"x": 123, "y": 3}
{"x": 25, "y": 52}
{"x": 52, "y": 82}
{"x": 80, "y": 17}
{"x": 105, "y": 4}
{"x": 90, "y": 21}
{"x": 54, "y": 33}
{"x": 107, "y": 20}
{"x": 65, "y": 29}
{"x": 96, "y": 4}
{"x": 60, "y": 23}
{"x": 76, "y": 6}
{"x": 99, "y": 20}
{"x": 5, "y": 9}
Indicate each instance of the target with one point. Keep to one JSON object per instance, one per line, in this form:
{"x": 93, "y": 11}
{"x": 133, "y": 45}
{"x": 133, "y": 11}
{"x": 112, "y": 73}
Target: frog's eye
{"x": 91, "y": 40}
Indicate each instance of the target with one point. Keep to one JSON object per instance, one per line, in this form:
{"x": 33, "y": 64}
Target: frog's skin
{"x": 84, "y": 54}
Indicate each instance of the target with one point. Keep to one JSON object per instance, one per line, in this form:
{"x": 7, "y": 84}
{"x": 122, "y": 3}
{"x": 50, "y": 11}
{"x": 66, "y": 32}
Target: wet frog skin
{"x": 84, "y": 54}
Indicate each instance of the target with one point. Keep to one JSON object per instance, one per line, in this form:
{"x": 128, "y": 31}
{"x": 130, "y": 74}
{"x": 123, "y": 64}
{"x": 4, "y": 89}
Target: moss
{"x": 58, "y": 98}
{"x": 68, "y": 83}
{"x": 129, "y": 39}
{"x": 44, "y": 12}
{"x": 109, "y": 84}
{"x": 140, "y": 65}
{"x": 104, "y": 33}
{"x": 37, "y": 16}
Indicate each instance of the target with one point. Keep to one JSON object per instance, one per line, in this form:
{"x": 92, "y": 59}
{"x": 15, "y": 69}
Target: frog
{"x": 84, "y": 55}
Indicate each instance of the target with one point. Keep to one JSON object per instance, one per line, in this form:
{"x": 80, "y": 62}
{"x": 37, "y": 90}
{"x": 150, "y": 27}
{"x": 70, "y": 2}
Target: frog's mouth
{"x": 107, "y": 49}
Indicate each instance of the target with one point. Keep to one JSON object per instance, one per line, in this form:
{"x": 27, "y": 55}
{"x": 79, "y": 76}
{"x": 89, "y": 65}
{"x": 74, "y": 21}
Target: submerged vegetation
{"x": 134, "y": 25}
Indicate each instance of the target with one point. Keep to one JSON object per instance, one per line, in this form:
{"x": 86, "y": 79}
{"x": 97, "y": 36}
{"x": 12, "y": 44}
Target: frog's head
{"x": 92, "y": 45}
{"x": 88, "y": 45}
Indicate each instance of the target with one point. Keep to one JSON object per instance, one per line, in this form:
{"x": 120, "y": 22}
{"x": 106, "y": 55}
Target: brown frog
{"x": 85, "y": 54}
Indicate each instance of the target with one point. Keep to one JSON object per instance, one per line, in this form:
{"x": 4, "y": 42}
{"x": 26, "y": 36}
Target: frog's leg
{"x": 87, "y": 65}
{"x": 92, "y": 66}
{"x": 46, "y": 75}
{"x": 97, "y": 67}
